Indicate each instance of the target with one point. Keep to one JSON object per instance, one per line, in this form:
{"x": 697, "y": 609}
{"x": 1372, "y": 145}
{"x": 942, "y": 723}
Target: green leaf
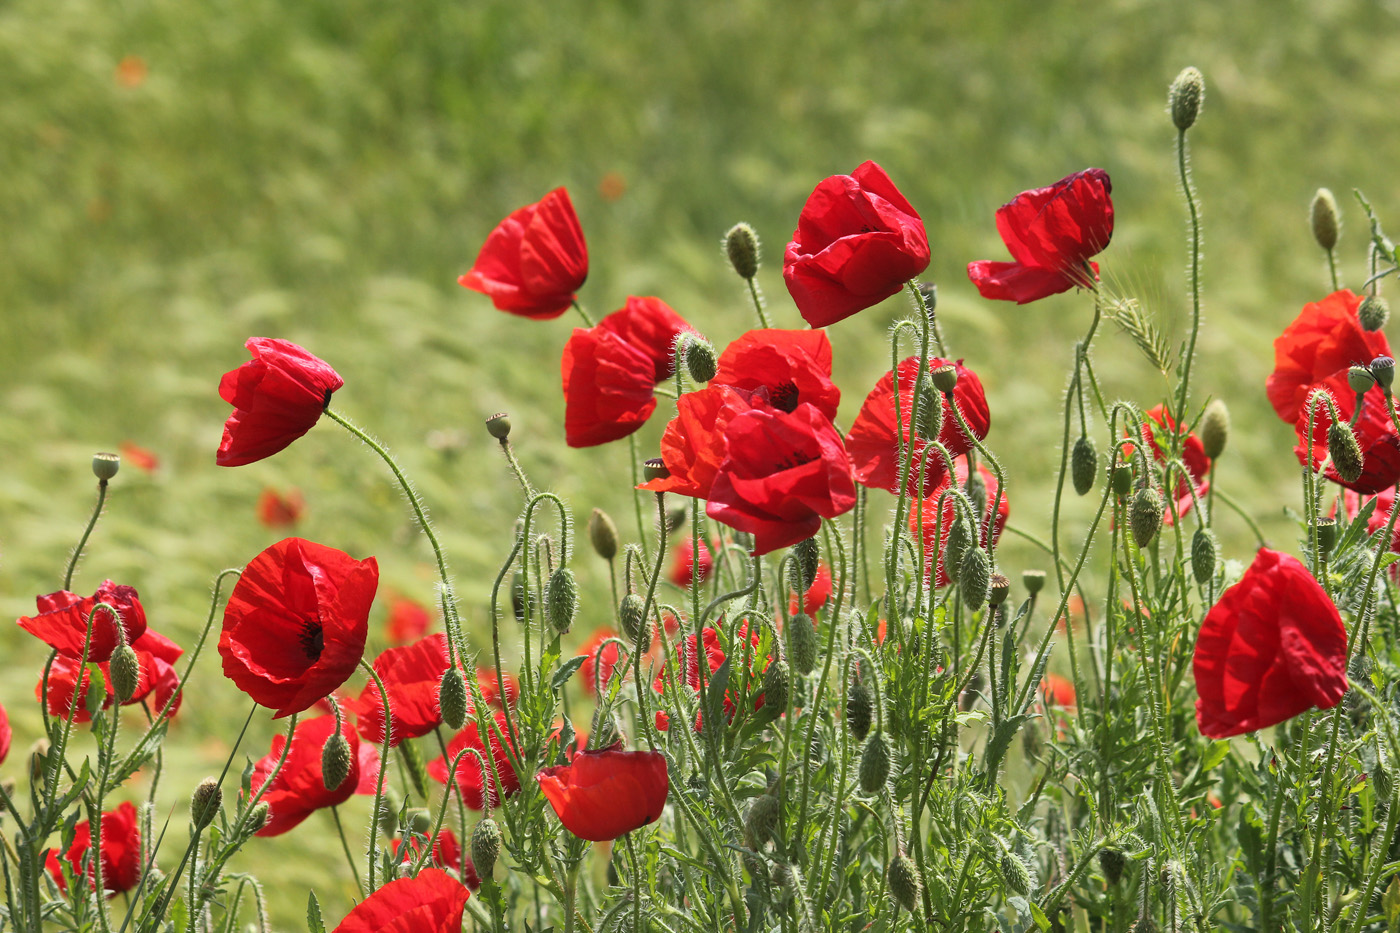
{"x": 314, "y": 923}
{"x": 1390, "y": 905}
{"x": 713, "y": 702}
{"x": 565, "y": 671}
{"x": 1216, "y": 754}
{"x": 1040, "y": 919}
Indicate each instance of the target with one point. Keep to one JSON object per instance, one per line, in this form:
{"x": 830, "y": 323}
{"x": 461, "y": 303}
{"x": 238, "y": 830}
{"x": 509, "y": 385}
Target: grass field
{"x": 178, "y": 177}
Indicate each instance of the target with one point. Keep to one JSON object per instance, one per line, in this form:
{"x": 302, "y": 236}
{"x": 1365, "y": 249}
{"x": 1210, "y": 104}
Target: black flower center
{"x": 784, "y": 397}
{"x": 794, "y": 460}
{"x": 313, "y": 641}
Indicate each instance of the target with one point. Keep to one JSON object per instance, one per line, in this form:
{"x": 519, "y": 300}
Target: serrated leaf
{"x": 565, "y": 671}
{"x": 314, "y": 923}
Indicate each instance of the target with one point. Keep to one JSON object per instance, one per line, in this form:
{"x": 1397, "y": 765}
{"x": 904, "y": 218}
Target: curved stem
{"x": 758, "y": 303}
{"x": 383, "y": 767}
{"x": 82, "y": 542}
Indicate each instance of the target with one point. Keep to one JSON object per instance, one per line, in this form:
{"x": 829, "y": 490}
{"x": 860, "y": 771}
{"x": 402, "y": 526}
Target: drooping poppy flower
{"x": 121, "y": 851}
{"x": 611, "y": 371}
{"x": 690, "y": 565}
{"x": 447, "y": 853}
{"x": 783, "y": 474}
{"x": 693, "y": 445}
{"x": 407, "y": 621}
{"x": 1324, "y": 340}
{"x": 874, "y": 446}
{"x": 794, "y": 366}
{"x": 430, "y": 902}
{"x": 534, "y": 261}
{"x": 1272, "y": 647}
{"x": 934, "y": 525}
{"x": 1193, "y": 455}
{"x": 138, "y": 456}
{"x": 277, "y": 397}
{"x": 276, "y": 510}
{"x": 1380, "y": 445}
{"x": 816, "y": 596}
{"x": 5, "y": 734}
{"x": 300, "y": 787}
{"x": 1051, "y": 234}
{"x": 857, "y": 242}
{"x": 295, "y": 626}
{"x": 468, "y": 774}
{"x": 601, "y": 795}
{"x": 597, "y": 668}
{"x": 61, "y": 622}
{"x": 413, "y": 676}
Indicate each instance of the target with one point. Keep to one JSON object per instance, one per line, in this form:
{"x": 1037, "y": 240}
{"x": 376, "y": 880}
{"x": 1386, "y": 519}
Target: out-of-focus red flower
{"x": 611, "y": 371}
{"x": 300, "y": 787}
{"x": 1380, "y": 445}
{"x": 688, "y": 659}
{"x": 857, "y": 242}
{"x": 61, "y": 622}
{"x": 430, "y": 902}
{"x": 468, "y": 774}
{"x": 276, "y": 510}
{"x": 874, "y": 446}
{"x": 693, "y": 446}
{"x": 601, "y": 795}
{"x": 1051, "y": 233}
{"x": 1380, "y": 517}
{"x": 277, "y": 396}
{"x": 1058, "y": 691}
{"x": 407, "y": 621}
{"x": 612, "y": 186}
{"x": 1325, "y": 339}
{"x": 295, "y": 626}
{"x": 139, "y": 457}
{"x": 412, "y": 675}
{"x": 447, "y": 853}
{"x": 5, "y": 734}
{"x": 121, "y": 851}
{"x": 793, "y": 366}
{"x": 131, "y": 71}
{"x": 935, "y": 524}
{"x": 1193, "y": 454}
{"x": 490, "y": 688}
{"x": 1272, "y": 647}
{"x": 783, "y": 474}
{"x": 816, "y": 596}
{"x": 534, "y": 261}
{"x": 688, "y": 566}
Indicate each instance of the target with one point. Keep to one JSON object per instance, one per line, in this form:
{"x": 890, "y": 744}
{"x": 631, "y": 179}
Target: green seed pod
{"x": 105, "y": 466}
{"x": 875, "y": 763}
{"x": 1326, "y": 219}
{"x": 1145, "y": 515}
{"x": 486, "y": 846}
{"x": 808, "y": 555}
{"x": 654, "y": 468}
{"x": 998, "y": 591}
{"x": 761, "y": 822}
{"x": 631, "y": 615}
{"x": 1122, "y": 480}
{"x": 126, "y": 672}
{"x": 1033, "y": 581}
{"x": 1360, "y": 380}
{"x": 561, "y": 600}
{"x": 930, "y": 422}
{"x": 1215, "y": 428}
{"x": 1326, "y": 535}
{"x": 1015, "y": 873}
{"x": 1345, "y": 451}
{"x": 905, "y": 884}
{"x": 602, "y": 532}
{"x": 1373, "y": 313}
{"x": 945, "y": 378}
{"x": 205, "y": 803}
{"x": 959, "y": 537}
{"x": 860, "y": 708}
{"x": 335, "y": 761}
{"x": 974, "y": 577}
{"x": 498, "y": 426}
{"x": 1112, "y": 861}
{"x": 1203, "y": 555}
{"x": 741, "y": 245}
{"x": 700, "y": 359}
{"x": 1083, "y": 464}
{"x": 775, "y": 687}
{"x": 1383, "y": 368}
{"x": 1184, "y": 99}
{"x": 452, "y": 698}
{"x": 801, "y": 644}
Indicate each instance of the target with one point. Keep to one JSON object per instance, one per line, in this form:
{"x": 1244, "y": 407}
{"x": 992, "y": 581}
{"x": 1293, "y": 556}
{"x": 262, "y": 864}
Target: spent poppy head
{"x": 277, "y": 397}
{"x": 534, "y": 261}
{"x": 295, "y": 626}
{"x": 431, "y": 901}
{"x": 62, "y": 621}
{"x": 793, "y": 366}
{"x": 121, "y": 850}
{"x": 1326, "y": 338}
{"x": 1051, "y": 234}
{"x": 412, "y": 676}
{"x": 300, "y": 787}
{"x": 601, "y": 795}
{"x": 1272, "y": 647}
{"x": 857, "y": 242}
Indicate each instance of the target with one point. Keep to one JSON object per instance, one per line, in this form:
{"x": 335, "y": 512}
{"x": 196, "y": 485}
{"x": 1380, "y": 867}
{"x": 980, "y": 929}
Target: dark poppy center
{"x": 794, "y": 460}
{"x": 313, "y": 640}
{"x": 784, "y": 397}
{"x": 326, "y": 401}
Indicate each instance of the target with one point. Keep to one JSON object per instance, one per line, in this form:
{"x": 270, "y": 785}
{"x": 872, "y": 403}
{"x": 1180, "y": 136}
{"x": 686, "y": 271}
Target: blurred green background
{"x": 176, "y": 177}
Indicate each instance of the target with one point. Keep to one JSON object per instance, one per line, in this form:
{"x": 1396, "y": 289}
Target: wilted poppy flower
{"x": 874, "y": 446}
{"x": 689, "y": 566}
{"x": 783, "y": 475}
{"x": 295, "y": 626}
{"x": 413, "y": 677}
{"x": 300, "y": 787}
{"x": 534, "y": 261}
{"x": 1051, "y": 233}
{"x": 468, "y": 775}
{"x": 1325, "y": 340}
{"x": 693, "y": 445}
{"x": 407, "y": 620}
{"x": 276, "y": 510}
{"x": 121, "y": 851}
{"x": 816, "y": 596}
{"x": 611, "y": 371}
{"x": 601, "y": 795}
{"x": 857, "y": 242}
{"x": 139, "y": 457}
{"x": 934, "y": 524}
{"x": 1380, "y": 445}
{"x": 277, "y": 397}
{"x": 61, "y": 622}
{"x": 447, "y": 853}
{"x": 793, "y": 366}
{"x": 1272, "y": 647}
{"x": 597, "y": 668}
{"x": 430, "y": 902}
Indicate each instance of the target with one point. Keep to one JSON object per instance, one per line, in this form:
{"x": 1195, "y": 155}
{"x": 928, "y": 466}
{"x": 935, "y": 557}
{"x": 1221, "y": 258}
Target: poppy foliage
{"x": 277, "y": 396}
{"x": 534, "y": 261}
{"x": 934, "y": 521}
{"x": 468, "y": 775}
{"x": 601, "y": 795}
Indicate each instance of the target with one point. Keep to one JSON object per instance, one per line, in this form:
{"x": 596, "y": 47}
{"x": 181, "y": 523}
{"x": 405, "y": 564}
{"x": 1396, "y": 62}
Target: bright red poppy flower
{"x": 1051, "y": 233}
{"x": 611, "y": 371}
{"x": 413, "y": 677}
{"x": 121, "y": 851}
{"x": 447, "y": 853}
{"x": 783, "y": 475}
{"x": 276, "y": 510}
{"x": 693, "y": 446}
{"x": 468, "y": 775}
{"x": 793, "y": 366}
{"x": 61, "y": 622}
{"x": 407, "y": 620}
{"x": 934, "y": 524}
{"x": 430, "y": 902}
{"x": 816, "y": 596}
{"x": 1325, "y": 339}
{"x": 5, "y": 734}
{"x": 534, "y": 261}
{"x": 601, "y": 795}
{"x": 277, "y": 397}
{"x": 598, "y": 668}
{"x": 300, "y": 787}
{"x": 857, "y": 242}
{"x": 1193, "y": 455}
{"x": 295, "y": 626}
{"x": 1380, "y": 445}
{"x": 688, "y": 565}
{"x": 155, "y": 654}
{"x": 1272, "y": 647}
{"x": 874, "y": 447}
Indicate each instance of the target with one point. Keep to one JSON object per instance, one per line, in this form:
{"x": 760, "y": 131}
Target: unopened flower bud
{"x": 959, "y": 537}
{"x": 126, "y": 672}
{"x": 875, "y": 763}
{"x": 205, "y": 802}
{"x": 976, "y": 489}
{"x": 1145, "y": 515}
{"x": 335, "y": 761}
{"x": 1383, "y": 368}
{"x": 1360, "y": 380}
{"x": 1122, "y": 479}
{"x": 945, "y": 378}
{"x": 930, "y": 420}
{"x": 1187, "y": 94}
{"x": 1373, "y": 313}
{"x": 388, "y": 816}
{"x": 486, "y": 846}
{"x": 420, "y": 821}
{"x": 801, "y": 644}
{"x": 1083, "y": 464}
{"x": 631, "y": 615}
{"x": 1326, "y": 535}
{"x": 452, "y": 698}
{"x": 1033, "y": 581}
{"x": 1203, "y": 555}
{"x": 498, "y": 426}
{"x": 561, "y": 600}
{"x": 741, "y": 245}
{"x": 860, "y": 708}
{"x": 1112, "y": 861}
{"x": 258, "y": 816}
{"x": 761, "y": 822}
{"x": 38, "y": 759}
{"x": 1015, "y": 873}
{"x": 654, "y": 468}
{"x": 700, "y": 359}
{"x": 105, "y": 466}
{"x": 905, "y": 884}
{"x": 775, "y": 687}
{"x": 808, "y": 554}
{"x": 602, "y": 532}
{"x": 974, "y": 577}
{"x": 1326, "y": 220}
{"x": 928, "y": 291}
{"x": 675, "y": 520}
{"x": 1345, "y": 451}
{"x": 998, "y": 591}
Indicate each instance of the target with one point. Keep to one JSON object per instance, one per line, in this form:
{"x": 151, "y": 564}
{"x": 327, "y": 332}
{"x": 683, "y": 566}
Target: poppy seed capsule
{"x": 602, "y": 532}
{"x": 905, "y": 884}
{"x": 452, "y": 698}
{"x": 998, "y": 591}
{"x": 775, "y": 687}
{"x": 126, "y": 672}
{"x": 875, "y": 763}
{"x": 498, "y": 426}
{"x": 1145, "y": 515}
{"x": 1122, "y": 479}
{"x": 930, "y": 420}
{"x": 1202, "y": 555}
{"x": 741, "y": 245}
{"x": 700, "y": 358}
{"x": 1383, "y": 368}
{"x": 105, "y": 466}
{"x": 1373, "y": 313}
{"x": 1345, "y": 451}
{"x": 1326, "y": 221}
{"x": 761, "y": 822}
{"x": 1083, "y": 464}
{"x": 205, "y": 802}
{"x": 1215, "y": 428}
{"x": 974, "y": 577}
{"x": 1112, "y": 861}
{"x": 1326, "y": 535}
{"x": 631, "y": 615}
{"x": 335, "y": 761}
{"x": 1360, "y": 379}
{"x": 1033, "y": 581}
{"x": 860, "y": 708}
{"x": 802, "y": 644}
{"x": 1187, "y": 94}
{"x": 654, "y": 468}
{"x": 945, "y": 378}
{"x": 486, "y": 846}
{"x": 561, "y": 600}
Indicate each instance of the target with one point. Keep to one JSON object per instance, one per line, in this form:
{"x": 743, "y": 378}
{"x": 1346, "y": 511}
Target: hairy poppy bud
{"x": 905, "y": 884}
{"x": 1383, "y": 368}
{"x": 258, "y": 816}
{"x": 1033, "y": 581}
{"x": 420, "y": 821}
{"x": 602, "y": 532}
{"x": 998, "y": 591}
{"x": 875, "y": 763}
{"x": 1326, "y": 535}
{"x": 928, "y": 291}
{"x": 205, "y": 802}
{"x": 631, "y": 615}
{"x": 452, "y": 698}
{"x": 808, "y": 554}
{"x": 675, "y": 520}
{"x": 654, "y": 468}
{"x": 1345, "y": 451}
{"x": 335, "y": 761}
{"x": 105, "y": 466}
{"x": 126, "y": 672}
{"x": 761, "y": 822}
{"x": 486, "y": 846}
{"x": 775, "y": 686}
{"x": 1187, "y": 94}
{"x": 700, "y": 359}
{"x": 1145, "y": 515}
{"x": 816, "y": 753}
{"x": 974, "y": 577}
{"x": 741, "y": 245}
{"x": 945, "y": 378}
{"x": 801, "y": 644}
{"x": 860, "y": 708}
{"x": 1015, "y": 873}
{"x": 1083, "y": 464}
{"x": 561, "y": 600}
{"x": 1373, "y": 313}
{"x": 1215, "y": 428}
{"x": 930, "y": 421}
{"x": 38, "y": 760}
{"x": 1202, "y": 555}
{"x": 959, "y": 537}
{"x": 1112, "y": 861}
{"x": 1360, "y": 380}
{"x": 1122, "y": 479}
{"x": 498, "y": 425}
{"x": 519, "y": 597}
{"x": 1326, "y": 221}
{"x": 976, "y": 490}
{"x": 388, "y": 817}
{"x": 605, "y": 731}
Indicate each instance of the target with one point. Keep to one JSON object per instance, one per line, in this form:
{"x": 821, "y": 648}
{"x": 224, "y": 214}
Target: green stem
{"x": 758, "y": 303}
{"x": 345, "y": 847}
{"x": 1239, "y": 510}
{"x": 1190, "y": 194}
{"x": 383, "y": 769}
{"x": 588, "y": 321}
{"x": 82, "y": 542}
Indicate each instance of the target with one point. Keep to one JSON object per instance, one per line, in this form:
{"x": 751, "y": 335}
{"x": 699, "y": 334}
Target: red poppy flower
{"x": 534, "y": 261}
{"x": 276, "y": 510}
{"x": 693, "y": 445}
{"x": 874, "y": 447}
{"x": 295, "y": 626}
{"x": 138, "y": 456}
{"x": 816, "y": 596}
{"x": 794, "y": 366}
{"x": 155, "y": 654}
{"x": 857, "y": 242}
{"x": 1380, "y": 445}
{"x": 1380, "y": 517}
{"x": 601, "y": 795}
{"x": 447, "y": 853}
{"x": 594, "y": 672}
{"x": 934, "y": 525}
{"x": 490, "y": 688}
{"x": 277, "y": 397}
{"x": 121, "y": 851}
{"x": 1058, "y": 691}
{"x": 5, "y": 734}
{"x": 1193, "y": 454}
{"x": 430, "y": 902}
{"x": 413, "y": 677}
{"x": 611, "y": 371}
{"x": 468, "y": 775}
{"x": 687, "y": 565}
{"x": 1272, "y": 647}
{"x": 61, "y": 622}
{"x": 1325, "y": 339}
{"x": 689, "y": 661}
{"x": 407, "y": 621}
{"x": 300, "y": 787}
{"x": 1051, "y": 233}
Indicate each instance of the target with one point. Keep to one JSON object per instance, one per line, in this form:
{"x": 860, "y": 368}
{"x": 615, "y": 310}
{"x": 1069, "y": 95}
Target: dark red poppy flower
{"x": 1380, "y": 445}
{"x": 816, "y": 596}
{"x": 689, "y": 565}
{"x": 430, "y": 902}
{"x": 874, "y": 446}
{"x": 693, "y": 445}
{"x": 1051, "y": 233}
{"x": 468, "y": 774}
{"x": 295, "y": 626}
{"x": 534, "y": 261}
{"x": 792, "y": 366}
{"x": 857, "y": 242}
{"x": 61, "y": 622}
{"x": 1193, "y": 455}
{"x": 413, "y": 677}
{"x": 276, "y": 510}
{"x": 447, "y": 853}
{"x": 601, "y": 795}
{"x": 277, "y": 397}
{"x": 155, "y": 655}
{"x": 611, "y": 371}
{"x": 598, "y": 668}
{"x": 5, "y": 734}
{"x": 933, "y": 525}
{"x": 138, "y": 456}
{"x": 300, "y": 787}
{"x": 407, "y": 620}
{"x": 1272, "y": 647}
{"x": 121, "y": 851}
{"x": 1325, "y": 339}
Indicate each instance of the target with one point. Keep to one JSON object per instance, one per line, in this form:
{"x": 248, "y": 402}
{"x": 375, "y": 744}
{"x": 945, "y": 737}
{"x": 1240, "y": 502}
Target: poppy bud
{"x": 126, "y": 672}
{"x": 974, "y": 577}
{"x": 808, "y": 553}
{"x": 1360, "y": 379}
{"x": 1202, "y": 555}
{"x": 452, "y": 698}
{"x": 1033, "y": 581}
{"x": 1187, "y": 94}
{"x": 1122, "y": 479}
{"x": 602, "y": 532}
{"x": 205, "y": 802}
{"x": 976, "y": 490}
{"x": 654, "y": 468}
{"x": 929, "y": 292}
{"x": 419, "y": 821}
{"x": 905, "y": 884}
{"x": 741, "y": 244}
{"x": 816, "y": 753}
{"x": 1015, "y": 873}
{"x": 1326, "y": 222}
{"x": 498, "y": 426}
{"x": 38, "y": 759}
{"x": 775, "y": 687}
{"x": 388, "y": 817}
{"x": 335, "y": 761}
{"x": 1345, "y": 451}
{"x": 945, "y": 378}
{"x": 1000, "y": 588}
{"x": 1373, "y": 313}
{"x": 486, "y": 846}
{"x": 1326, "y": 535}
{"x": 1112, "y": 861}
{"x": 761, "y": 822}
{"x": 959, "y": 537}
{"x": 1383, "y": 368}
{"x": 1215, "y": 428}
{"x": 1145, "y": 515}
{"x": 860, "y": 708}
{"x": 700, "y": 359}
{"x": 675, "y": 520}
{"x": 561, "y": 600}
{"x": 105, "y": 466}
{"x": 1083, "y": 464}
{"x": 801, "y": 644}
{"x": 875, "y": 763}
{"x": 631, "y": 614}
{"x": 258, "y": 817}
{"x": 518, "y": 596}
{"x": 605, "y": 731}
{"x": 930, "y": 422}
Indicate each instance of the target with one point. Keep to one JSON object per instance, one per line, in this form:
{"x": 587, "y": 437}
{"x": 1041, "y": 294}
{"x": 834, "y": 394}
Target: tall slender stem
{"x": 1190, "y": 194}
{"x": 82, "y": 542}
